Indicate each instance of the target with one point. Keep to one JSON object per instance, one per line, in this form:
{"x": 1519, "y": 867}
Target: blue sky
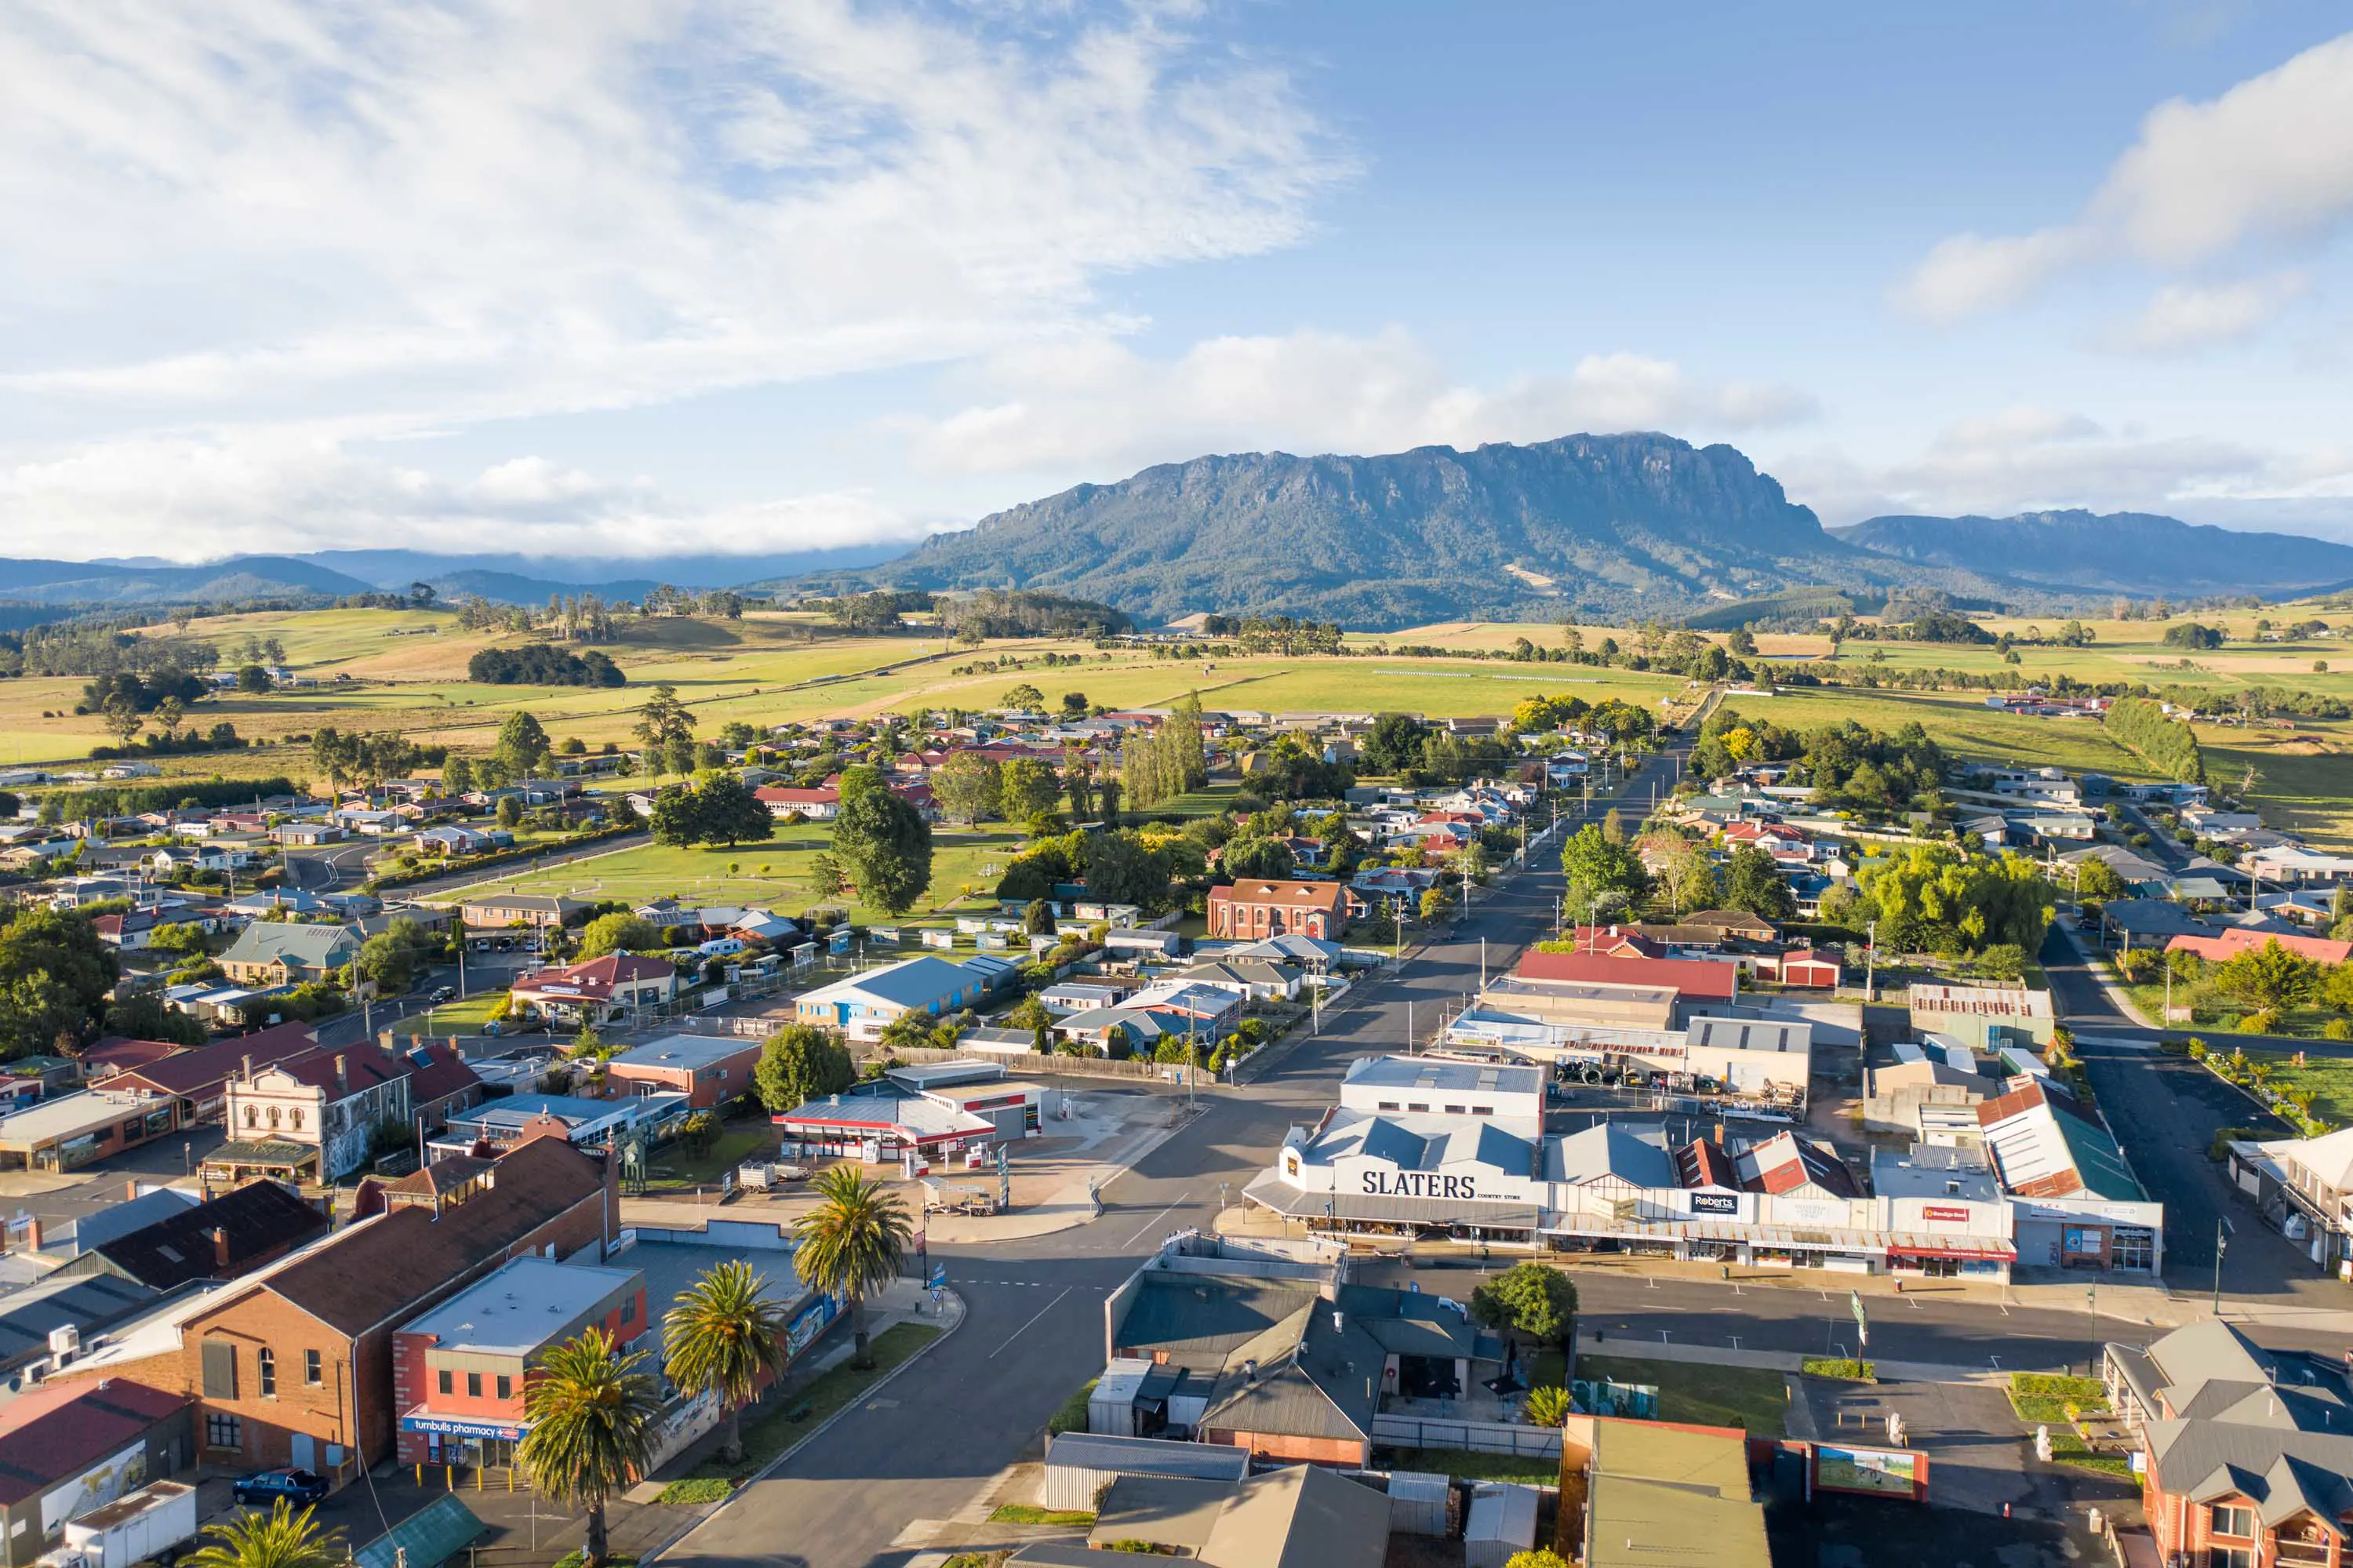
{"x": 766, "y": 277}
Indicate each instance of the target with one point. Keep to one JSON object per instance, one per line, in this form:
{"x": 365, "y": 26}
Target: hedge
{"x": 499, "y": 858}
{"x": 2165, "y": 743}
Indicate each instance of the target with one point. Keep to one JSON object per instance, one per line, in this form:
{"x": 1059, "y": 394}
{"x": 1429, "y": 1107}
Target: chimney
{"x": 220, "y": 1249}
{"x": 1249, "y": 1373}
{"x": 342, "y": 1073}
{"x": 248, "y": 1066}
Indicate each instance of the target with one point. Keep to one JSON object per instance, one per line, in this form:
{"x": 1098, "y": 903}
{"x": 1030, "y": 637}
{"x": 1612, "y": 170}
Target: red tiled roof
{"x": 597, "y": 976}
{"x": 1702, "y": 977}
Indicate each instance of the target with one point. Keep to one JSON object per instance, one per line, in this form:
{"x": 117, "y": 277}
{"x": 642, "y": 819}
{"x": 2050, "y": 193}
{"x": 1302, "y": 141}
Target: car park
{"x": 296, "y": 1486}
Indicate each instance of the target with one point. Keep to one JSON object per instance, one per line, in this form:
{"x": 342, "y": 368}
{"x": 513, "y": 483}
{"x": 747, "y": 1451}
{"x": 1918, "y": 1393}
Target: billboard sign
{"x": 1873, "y": 1472}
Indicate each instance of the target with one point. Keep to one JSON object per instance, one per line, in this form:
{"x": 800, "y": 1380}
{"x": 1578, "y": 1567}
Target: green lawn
{"x": 2330, "y": 1079}
{"x": 797, "y": 1414}
{"x": 2044, "y": 1396}
{"x": 776, "y": 874}
{"x": 1753, "y": 1398}
{"x": 730, "y": 1150}
{"x": 465, "y": 1017}
{"x": 1030, "y": 1513}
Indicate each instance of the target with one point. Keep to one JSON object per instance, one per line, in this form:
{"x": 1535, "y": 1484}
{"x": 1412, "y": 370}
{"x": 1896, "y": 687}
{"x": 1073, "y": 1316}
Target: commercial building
{"x": 863, "y": 1005}
{"x": 2304, "y": 1187}
{"x": 74, "y": 1130}
{"x": 198, "y": 1080}
{"x": 707, "y": 1069}
{"x": 1655, "y": 1493}
{"x": 1984, "y": 1018}
{"x": 1699, "y": 981}
{"x": 68, "y": 1448}
{"x": 292, "y": 1364}
{"x": 461, "y": 1371}
{"x": 516, "y": 1120}
{"x": 2074, "y": 1200}
{"x": 2247, "y": 1454}
{"x": 217, "y": 1239}
{"x": 1423, "y": 1086}
{"x": 919, "y": 1111}
{"x": 334, "y": 1102}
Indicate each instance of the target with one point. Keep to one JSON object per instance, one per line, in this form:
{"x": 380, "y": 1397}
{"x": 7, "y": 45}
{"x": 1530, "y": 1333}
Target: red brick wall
{"x": 1276, "y": 1446}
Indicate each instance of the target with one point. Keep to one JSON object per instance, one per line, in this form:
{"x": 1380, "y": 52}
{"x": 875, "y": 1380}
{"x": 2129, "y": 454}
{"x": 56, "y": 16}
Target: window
{"x": 1417, "y": 1108}
{"x": 1390, "y": 1104}
{"x": 311, "y": 1369}
{"x": 506, "y": 1386}
{"x": 295, "y": 1118}
{"x": 2229, "y": 1557}
{"x": 473, "y": 1385}
{"x": 2236, "y": 1522}
{"x": 251, "y": 1116}
{"x": 1483, "y": 1110}
{"x": 265, "y": 1363}
{"x": 273, "y": 1116}
{"x": 223, "y": 1432}
{"x": 448, "y": 1383}
{"x": 220, "y": 1370}
{"x": 1456, "y": 1110}
{"x": 2131, "y": 1247}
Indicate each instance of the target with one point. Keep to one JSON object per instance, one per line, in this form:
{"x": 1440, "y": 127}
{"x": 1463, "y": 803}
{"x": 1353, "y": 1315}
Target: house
{"x": 2229, "y": 944}
{"x": 1254, "y": 979}
{"x": 71, "y": 1449}
{"x": 1255, "y": 908}
{"x": 135, "y": 930}
{"x": 462, "y": 1371}
{"x": 2247, "y": 1454}
{"x": 1295, "y": 1516}
{"x": 283, "y": 952}
{"x": 292, "y": 1364}
{"x": 306, "y": 835}
{"x": 598, "y": 990}
{"x": 2305, "y": 1188}
{"x": 219, "y": 1238}
{"x": 863, "y": 1005}
{"x": 500, "y": 911}
{"x": 708, "y": 1070}
{"x": 817, "y": 805}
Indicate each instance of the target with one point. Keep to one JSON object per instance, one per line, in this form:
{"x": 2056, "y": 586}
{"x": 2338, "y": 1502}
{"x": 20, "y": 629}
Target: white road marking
{"x": 1016, "y": 1333}
{"x": 1154, "y": 1220}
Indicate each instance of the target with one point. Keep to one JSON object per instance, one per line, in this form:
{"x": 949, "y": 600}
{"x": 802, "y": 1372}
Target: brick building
{"x": 1253, "y": 909}
{"x": 462, "y": 1371}
{"x": 706, "y": 1070}
{"x": 293, "y": 1364}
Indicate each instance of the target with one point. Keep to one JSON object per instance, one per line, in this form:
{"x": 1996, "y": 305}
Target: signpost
{"x": 1861, "y": 1323}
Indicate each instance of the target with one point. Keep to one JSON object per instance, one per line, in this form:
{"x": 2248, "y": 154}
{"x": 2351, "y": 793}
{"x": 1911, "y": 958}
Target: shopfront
{"x": 474, "y": 1444}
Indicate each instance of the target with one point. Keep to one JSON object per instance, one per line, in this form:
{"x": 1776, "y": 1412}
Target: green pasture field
{"x": 1959, "y": 722}
{"x": 774, "y": 874}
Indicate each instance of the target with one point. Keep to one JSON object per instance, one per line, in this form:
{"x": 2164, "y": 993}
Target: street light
{"x": 2222, "y": 1245}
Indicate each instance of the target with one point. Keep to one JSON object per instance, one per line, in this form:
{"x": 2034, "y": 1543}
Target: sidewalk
{"x": 2098, "y": 972}
{"x": 1777, "y": 1361}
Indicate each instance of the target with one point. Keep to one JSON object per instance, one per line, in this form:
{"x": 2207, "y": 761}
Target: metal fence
{"x": 1477, "y": 1437}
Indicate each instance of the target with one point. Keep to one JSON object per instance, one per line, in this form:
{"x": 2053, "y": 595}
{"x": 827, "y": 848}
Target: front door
{"x": 302, "y": 1453}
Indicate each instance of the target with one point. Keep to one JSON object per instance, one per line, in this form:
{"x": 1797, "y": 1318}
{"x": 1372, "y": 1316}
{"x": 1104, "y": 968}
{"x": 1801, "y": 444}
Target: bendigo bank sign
{"x": 1418, "y": 1184}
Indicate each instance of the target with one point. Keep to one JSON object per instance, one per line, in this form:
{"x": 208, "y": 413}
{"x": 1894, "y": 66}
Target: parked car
{"x": 442, "y": 993}
{"x": 267, "y": 1486}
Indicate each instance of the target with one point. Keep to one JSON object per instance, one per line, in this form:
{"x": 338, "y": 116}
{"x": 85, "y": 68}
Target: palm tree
{"x": 851, "y": 1244}
{"x": 592, "y": 1416}
{"x": 723, "y": 1334}
{"x": 278, "y": 1539}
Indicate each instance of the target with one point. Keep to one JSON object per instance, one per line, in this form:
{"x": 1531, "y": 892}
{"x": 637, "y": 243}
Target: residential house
{"x": 2304, "y": 1186}
{"x": 2229, "y": 944}
{"x": 490, "y": 911}
{"x": 284, "y": 952}
{"x": 292, "y": 1364}
{"x": 596, "y": 991}
{"x": 1254, "y": 979}
{"x": 821, "y": 804}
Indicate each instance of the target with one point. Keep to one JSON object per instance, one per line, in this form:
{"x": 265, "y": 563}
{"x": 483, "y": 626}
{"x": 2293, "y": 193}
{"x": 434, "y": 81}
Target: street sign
{"x": 939, "y": 1275}
{"x": 1862, "y": 1322}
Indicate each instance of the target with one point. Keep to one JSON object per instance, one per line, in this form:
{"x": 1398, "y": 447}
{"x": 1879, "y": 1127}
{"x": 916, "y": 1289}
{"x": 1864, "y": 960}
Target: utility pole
{"x": 1870, "y": 965}
{"x": 1409, "y": 1026}
{"x": 2222, "y": 1245}
{"x": 1482, "y": 964}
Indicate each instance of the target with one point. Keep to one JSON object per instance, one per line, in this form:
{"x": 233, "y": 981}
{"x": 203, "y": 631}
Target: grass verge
{"x": 1846, "y": 1369}
{"x": 697, "y": 1489}
{"x": 2042, "y": 1397}
{"x": 1751, "y": 1398}
{"x": 1030, "y": 1513}
{"x": 797, "y": 1413}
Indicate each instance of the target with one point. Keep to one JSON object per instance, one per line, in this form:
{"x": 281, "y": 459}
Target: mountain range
{"x": 1633, "y": 525}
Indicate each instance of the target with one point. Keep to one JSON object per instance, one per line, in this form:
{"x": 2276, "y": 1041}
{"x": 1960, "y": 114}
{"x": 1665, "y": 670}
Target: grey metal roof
{"x": 1302, "y": 1516}
{"x": 1443, "y": 1076}
{"x": 1147, "y": 1457}
{"x": 1199, "y": 1318}
{"x": 87, "y": 1302}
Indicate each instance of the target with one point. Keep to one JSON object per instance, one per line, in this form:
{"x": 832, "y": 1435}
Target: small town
{"x": 937, "y": 784}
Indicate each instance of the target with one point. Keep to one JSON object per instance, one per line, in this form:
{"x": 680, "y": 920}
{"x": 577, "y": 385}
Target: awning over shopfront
{"x": 1270, "y": 1191}
{"x": 1984, "y": 1247}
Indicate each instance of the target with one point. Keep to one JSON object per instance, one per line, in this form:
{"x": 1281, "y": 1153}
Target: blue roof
{"x": 916, "y": 982}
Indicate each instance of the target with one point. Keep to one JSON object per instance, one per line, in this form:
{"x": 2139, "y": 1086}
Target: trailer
{"x": 153, "y": 1522}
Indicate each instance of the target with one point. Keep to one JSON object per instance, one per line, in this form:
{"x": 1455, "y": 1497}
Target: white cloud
{"x": 1096, "y": 403}
{"x": 2270, "y": 159}
{"x": 2032, "y": 460}
{"x": 278, "y": 491}
{"x": 2184, "y": 317}
{"x": 233, "y": 231}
